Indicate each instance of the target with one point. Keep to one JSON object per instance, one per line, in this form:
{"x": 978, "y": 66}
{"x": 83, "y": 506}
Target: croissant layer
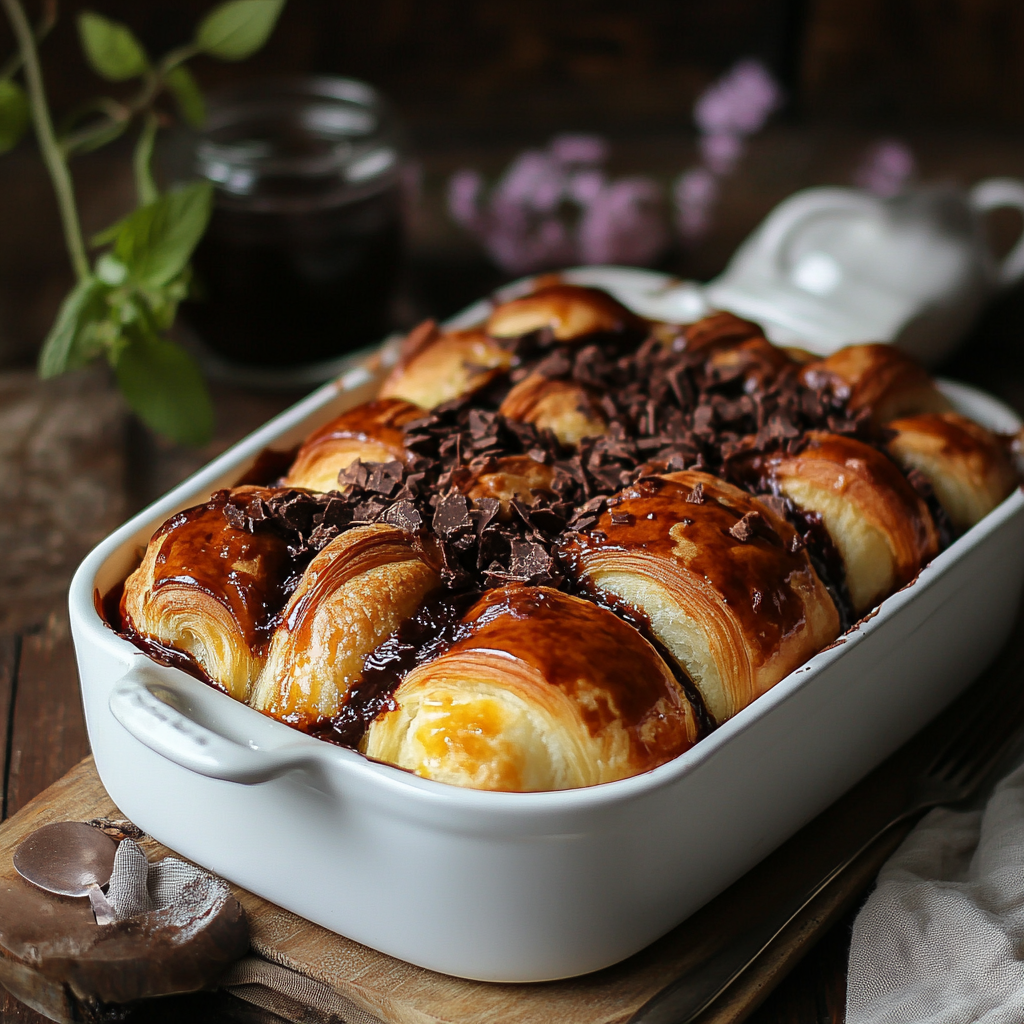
{"x": 546, "y": 691}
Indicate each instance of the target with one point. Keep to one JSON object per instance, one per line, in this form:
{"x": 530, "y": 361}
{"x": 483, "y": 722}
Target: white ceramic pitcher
{"x": 833, "y": 266}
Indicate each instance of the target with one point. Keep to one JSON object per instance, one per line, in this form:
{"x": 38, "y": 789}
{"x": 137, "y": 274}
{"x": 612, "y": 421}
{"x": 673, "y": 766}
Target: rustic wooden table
{"x": 73, "y": 465}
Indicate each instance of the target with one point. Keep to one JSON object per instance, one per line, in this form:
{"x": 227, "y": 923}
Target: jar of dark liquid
{"x": 301, "y": 257}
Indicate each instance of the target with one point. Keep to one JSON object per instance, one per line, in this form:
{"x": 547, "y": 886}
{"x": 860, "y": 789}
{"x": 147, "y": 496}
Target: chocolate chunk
{"x": 404, "y": 515}
{"x": 451, "y": 514}
{"x": 745, "y": 528}
{"x": 696, "y": 496}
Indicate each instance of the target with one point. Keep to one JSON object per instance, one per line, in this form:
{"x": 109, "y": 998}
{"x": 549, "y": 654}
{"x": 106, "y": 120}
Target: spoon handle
{"x": 101, "y": 908}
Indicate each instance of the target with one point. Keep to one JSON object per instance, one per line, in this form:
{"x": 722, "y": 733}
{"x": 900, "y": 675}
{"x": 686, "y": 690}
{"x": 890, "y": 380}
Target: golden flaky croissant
{"x": 545, "y": 692}
{"x": 443, "y": 366}
{"x": 353, "y": 595}
{"x": 968, "y": 467}
{"x": 720, "y": 578}
{"x": 210, "y": 591}
{"x": 878, "y": 522}
{"x": 371, "y": 432}
{"x": 569, "y": 312}
{"x": 881, "y": 380}
{"x": 543, "y": 580}
{"x": 564, "y": 407}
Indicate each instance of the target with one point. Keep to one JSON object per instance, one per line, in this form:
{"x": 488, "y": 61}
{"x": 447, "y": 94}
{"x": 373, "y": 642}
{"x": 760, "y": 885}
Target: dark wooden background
{"x": 474, "y": 81}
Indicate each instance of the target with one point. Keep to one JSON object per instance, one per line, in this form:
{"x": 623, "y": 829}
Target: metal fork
{"x": 953, "y": 775}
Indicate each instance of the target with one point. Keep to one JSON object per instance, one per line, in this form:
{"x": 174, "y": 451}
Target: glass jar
{"x": 301, "y": 258}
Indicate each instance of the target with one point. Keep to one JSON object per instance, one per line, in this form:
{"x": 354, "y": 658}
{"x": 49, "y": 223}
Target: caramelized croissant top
{"x": 724, "y": 582}
{"x": 210, "y": 590}
{"x": 569, "y": 311}
{"x": 881, "y": 379}
{"x": 544, "y": 691}
{"x": 445, "y": 366}
{"x": 371, "y": 432}
{"x": 968, "y": 467}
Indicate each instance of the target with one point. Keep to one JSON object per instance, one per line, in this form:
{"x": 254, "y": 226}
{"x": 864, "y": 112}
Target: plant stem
{"x": 53, "y": 157}
{"x": 145, "y": 187}
{"x": 12, "y": 65}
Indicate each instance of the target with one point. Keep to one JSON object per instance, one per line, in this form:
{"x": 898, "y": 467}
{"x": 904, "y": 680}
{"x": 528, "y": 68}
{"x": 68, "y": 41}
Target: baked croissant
{"x": 546, "y": 691}
{"x": 967, "y": 466}
{"x": 687, "y": 598}
{"x": 514, "y": 476}
{"x": 564, "y": 407}
{"x": 210, "y": 591}
{"x": 721, "y": 579}
{"x": 881, "y": 379}
{"x": 570, "y": 312}
{"x": 880, "y": 525}
{"x": 371, "y": 432}
{"x": 353, "y": 595}
{"x": 445, "y": 366}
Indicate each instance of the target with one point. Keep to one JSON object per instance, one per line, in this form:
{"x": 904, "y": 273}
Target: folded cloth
{"x": 941, "y": 938}
{"x": 138, "y": 887}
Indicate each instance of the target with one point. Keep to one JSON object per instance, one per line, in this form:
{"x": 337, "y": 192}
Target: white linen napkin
{"x": 941, "y": 938}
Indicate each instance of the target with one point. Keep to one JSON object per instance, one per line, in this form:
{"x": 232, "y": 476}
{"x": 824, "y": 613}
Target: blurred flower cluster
{"x": 886, "y": 168}
{"x": 728, "y": 112}
{"x": 558, "y": 206}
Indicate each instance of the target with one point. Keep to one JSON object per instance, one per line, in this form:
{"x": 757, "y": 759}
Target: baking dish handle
{"x": 145, "y": 707}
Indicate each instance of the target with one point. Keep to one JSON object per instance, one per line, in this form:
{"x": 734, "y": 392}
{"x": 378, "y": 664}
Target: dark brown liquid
{"x": 199, "y": 548}
{"x": 282, "y": 288}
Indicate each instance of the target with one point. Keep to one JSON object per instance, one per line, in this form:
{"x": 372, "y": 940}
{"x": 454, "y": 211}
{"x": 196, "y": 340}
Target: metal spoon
{"x": 70, "y": 858}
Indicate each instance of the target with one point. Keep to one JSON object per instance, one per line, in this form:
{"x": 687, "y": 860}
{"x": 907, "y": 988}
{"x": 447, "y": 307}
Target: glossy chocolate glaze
{"x": 381, "y": 421}
{"x": 199, "y": 548}
{"x": 427, "y": 634}
{"x": 956, "y": 436}
{"x": 720, "y": 329}
{"x": 537, "y": 626}
{"x": 657, "y": 517}
{"x": 569, "y": 311}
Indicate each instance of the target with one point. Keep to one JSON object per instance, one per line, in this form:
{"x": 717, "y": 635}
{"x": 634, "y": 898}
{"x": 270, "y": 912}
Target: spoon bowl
{"x": 70, "y": 858}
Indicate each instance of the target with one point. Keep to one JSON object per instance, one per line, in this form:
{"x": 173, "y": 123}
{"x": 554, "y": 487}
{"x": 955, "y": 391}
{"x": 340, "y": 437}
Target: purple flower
{"x": 579, "y": 149}
{"x": 534, "y": 180}
{"x": 739, "y": 102}
{"x": 886, "y": 167}
{"x": 584, "y": 187}
{"x": 721, "y": 152}
{"x": 695, "y": 193}
{"x": 624, "y": 224}
{"x": 464, "y": 192}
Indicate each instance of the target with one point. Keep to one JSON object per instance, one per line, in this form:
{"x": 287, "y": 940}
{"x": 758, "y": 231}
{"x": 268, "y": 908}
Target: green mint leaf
{"x": 63, "y": 349}
{"x": 111, "y": 49}
{"x": 237, "y": 29}
{"x": 155, "y": 242}
{"x": 14, "y": 115}
{"x": 163, "y": 385}
{"x": 187, "y": 94}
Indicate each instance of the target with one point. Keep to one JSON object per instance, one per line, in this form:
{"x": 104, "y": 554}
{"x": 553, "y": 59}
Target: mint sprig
{"x": 127, "y": 297}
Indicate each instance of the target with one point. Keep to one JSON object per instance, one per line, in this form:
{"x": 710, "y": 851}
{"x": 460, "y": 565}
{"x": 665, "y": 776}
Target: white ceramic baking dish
{"x": 522, "y": 886}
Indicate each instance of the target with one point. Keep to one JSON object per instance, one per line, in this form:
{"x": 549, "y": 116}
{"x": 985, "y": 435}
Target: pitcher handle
{"x": 996, "y": 194}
